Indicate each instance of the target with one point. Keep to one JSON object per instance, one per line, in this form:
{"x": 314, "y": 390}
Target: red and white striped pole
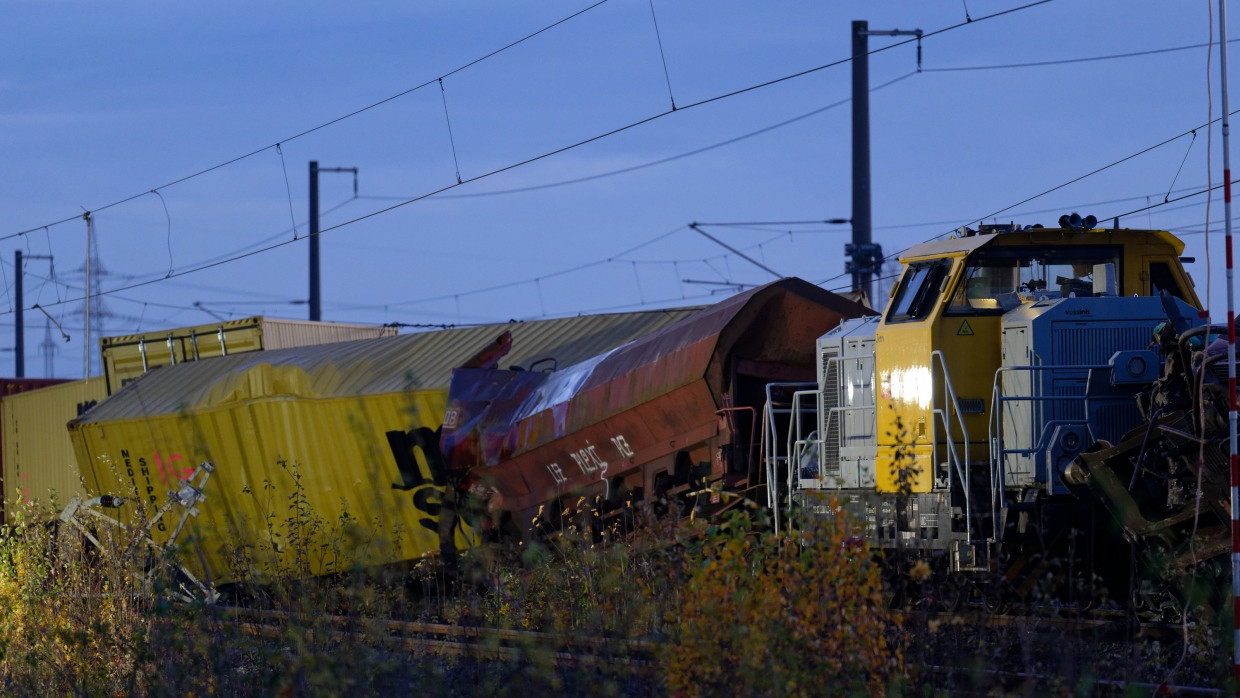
{"x": 1231, "y": 355}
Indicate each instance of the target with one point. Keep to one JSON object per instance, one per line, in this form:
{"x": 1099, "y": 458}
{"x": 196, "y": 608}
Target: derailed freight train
{"x": 661, "y": 417}
{"x": 306, "y": 460}
{"x": 1030, "y": 404}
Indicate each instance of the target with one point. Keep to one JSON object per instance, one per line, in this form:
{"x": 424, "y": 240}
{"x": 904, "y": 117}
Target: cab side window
{"x": 918, "y": 291}
{"x": 1161, "y": 279}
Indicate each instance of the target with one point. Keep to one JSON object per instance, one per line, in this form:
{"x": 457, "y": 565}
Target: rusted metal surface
{"x": 609, "y": 423}
{"x": 1166, "y": 482}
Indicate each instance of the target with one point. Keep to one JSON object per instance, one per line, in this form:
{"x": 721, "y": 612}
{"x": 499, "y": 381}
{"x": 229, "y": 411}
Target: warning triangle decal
{"x": 965, "y": 330}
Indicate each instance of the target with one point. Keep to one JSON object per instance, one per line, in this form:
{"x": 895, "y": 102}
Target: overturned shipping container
{"x": 325, "y": 457}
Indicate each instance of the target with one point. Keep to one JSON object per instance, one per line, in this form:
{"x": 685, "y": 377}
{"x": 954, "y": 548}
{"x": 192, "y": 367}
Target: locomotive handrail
{"x": 832, "y": 413}
{"x": 995, "y": 427}
{"x": 794, "y": 429}
{"x": 994, "y": 437}
{"x": 963, "y": 472}
{"x": 998, "y": 399}
{"x": 770, "y": 440}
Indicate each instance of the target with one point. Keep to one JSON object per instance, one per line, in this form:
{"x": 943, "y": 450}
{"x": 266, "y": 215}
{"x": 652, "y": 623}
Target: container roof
{"x": 419, "y": 361}
{"x": 276, "y": 325}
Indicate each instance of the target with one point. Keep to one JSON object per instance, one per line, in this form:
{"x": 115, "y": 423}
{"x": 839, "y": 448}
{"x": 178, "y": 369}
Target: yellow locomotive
{"x": 1004, "y": 356}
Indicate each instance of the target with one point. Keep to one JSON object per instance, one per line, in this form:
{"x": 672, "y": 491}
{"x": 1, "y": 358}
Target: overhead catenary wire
{"x": 320, "y": 126}
{"x": 662, "y": 55}
{"x": 1093, "y": 172}
{"x": 1181, "y": 197}
{"x": 295, "y": 230}
{"x": 1069, "y": 61}
{"x": 386, "y": 100}
{"x": 536, "y": 158}
{"x": 168, "y": 216}
{"x": 654, "y": 163}
{"x": 451, "y": 139}
{"x": 288, "y": 188}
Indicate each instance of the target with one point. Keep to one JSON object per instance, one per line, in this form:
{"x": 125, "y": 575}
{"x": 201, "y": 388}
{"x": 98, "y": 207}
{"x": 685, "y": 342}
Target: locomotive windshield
{"x": 999, "y": 279}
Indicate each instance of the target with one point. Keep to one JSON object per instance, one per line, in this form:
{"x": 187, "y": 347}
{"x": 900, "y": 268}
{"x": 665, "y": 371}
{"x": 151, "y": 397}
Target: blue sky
{"x": 125, "y": 102}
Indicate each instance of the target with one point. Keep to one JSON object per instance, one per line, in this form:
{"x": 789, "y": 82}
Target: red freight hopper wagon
{"x": 665, "y": 414}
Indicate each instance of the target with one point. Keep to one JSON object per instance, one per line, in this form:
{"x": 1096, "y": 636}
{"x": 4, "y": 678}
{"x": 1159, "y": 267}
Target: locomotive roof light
{"x": 1074, "y": 220}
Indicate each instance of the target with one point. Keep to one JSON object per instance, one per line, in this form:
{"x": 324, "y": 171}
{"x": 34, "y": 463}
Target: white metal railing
{"x": 796, "y": 442}
{"x": 952, "y": 404}
{"x": 998, "y": 450}
{"x": 772, "y": 459}
{"x": 836, "y": 415}
{"x": 949, "y": 419}
{"x": 799, "y": 441}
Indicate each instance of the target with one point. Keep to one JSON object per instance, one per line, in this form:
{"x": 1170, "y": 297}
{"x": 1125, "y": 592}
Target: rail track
{"x": 641, "y": 657}
{"x": 475, "y": 642}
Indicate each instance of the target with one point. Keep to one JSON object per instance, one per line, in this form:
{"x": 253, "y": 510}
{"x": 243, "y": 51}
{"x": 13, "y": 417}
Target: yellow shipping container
{"x": 127, "y": 357}
{"x": 304, "y": 483}
{"x": 39, "y": 464}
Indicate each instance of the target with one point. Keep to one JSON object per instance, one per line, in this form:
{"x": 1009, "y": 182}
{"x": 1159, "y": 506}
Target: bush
{"x": 783, "y": 613}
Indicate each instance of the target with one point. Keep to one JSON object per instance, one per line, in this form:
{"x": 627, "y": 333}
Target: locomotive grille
{"x": 1112, "y": 421}
{"x": 829, "y": 421}
{"x": 1094, "y": 345}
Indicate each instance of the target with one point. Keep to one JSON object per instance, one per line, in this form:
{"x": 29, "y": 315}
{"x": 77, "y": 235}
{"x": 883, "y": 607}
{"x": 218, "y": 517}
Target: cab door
{"x": 904, "y": 342}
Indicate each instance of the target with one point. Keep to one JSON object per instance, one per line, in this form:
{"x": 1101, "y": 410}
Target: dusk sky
{"x": 186, "y": 130}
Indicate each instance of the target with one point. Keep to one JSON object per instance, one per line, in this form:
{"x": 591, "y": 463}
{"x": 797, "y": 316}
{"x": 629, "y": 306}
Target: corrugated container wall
{"x": 127, "y": 357}
{"x": 39, "y": 466}
{"x": 14, "y": 386}
{"x": 305, "y": 482}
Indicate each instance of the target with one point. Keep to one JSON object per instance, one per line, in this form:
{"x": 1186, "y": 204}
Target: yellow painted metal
{"x": 1139, "y": 248}
{"x": 39, "y": 465}
{"x": 911, "y": 380}
{"x": 127, "y": 357}
{"x": 907, "y": 395}
{"x": 304, "y": 484}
